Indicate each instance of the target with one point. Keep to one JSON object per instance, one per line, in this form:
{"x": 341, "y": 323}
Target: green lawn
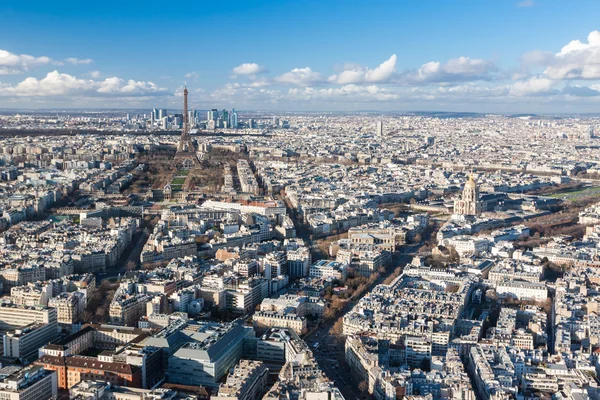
{"x": 177, "y": 181}
{"x": 577, "y": 194}
{"x": 183, "y": 172}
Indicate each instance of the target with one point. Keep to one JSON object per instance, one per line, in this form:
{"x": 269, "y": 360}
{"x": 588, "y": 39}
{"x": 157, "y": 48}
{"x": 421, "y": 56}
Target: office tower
{"x": 26, "y": 329}
{"x": 177, "y": 121}
{"x": 251, "y": 123}
{"x": 234, "y": 119}
{"x": 275, "y": 121}
{"x": 380, "y": 127}
{"x": 155, "y": 113}
{"x": 152, "y": 118}
{"x": 213, "y": 115}
{"x": 192, "y": 117}
{"x": 162, "y": 113}
{"x": 225, "y": 117}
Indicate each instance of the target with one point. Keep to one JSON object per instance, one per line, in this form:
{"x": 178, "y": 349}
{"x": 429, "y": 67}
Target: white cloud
{"x": 346, "y": 93}
{"x": 11, "y": 63}
{"x": 79, "y": 61}
{"x": 95, "y": 74}
{"x": 259, "y": 83}
{"x": 536, "y": 58}
{"x": 236, "y": 94}
{"x": 301, "y": 77}
{"x": 454, "y": 70}
{"x": 58, "y": 84}
{"x": 534, "y": 86}
{"x": 248, "y": 69}
{"x": 358, "y": 74}
{"x": 192, "y": 75}
{"x": 580, "y": 91}
{"x": 577, "y": 60}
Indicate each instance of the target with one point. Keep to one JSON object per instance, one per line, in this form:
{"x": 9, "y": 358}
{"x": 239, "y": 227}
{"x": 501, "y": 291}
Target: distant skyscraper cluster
{"x": 160, "y": 119}
{"x": 224, "y": 119}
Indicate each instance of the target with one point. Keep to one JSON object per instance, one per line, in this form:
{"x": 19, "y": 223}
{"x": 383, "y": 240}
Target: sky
{"x": 503, "y": 56}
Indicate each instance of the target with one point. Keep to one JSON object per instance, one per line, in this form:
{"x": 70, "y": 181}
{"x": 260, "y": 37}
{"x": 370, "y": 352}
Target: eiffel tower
{"x": 186, "y": 157}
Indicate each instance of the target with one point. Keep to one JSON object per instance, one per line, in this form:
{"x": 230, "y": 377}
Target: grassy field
{"x": 176, "y": 188}
{"x": 183, "y": 172}
{"x": 178, "y": 181}
{"x": 577, "y": 194}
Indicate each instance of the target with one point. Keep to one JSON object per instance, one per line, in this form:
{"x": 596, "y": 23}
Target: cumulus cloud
{"x": 301, "y": 77}
{"x": 346, "y": 93}
{"x": 235, "y": 93}
{"x": 248, "y": 69}
{"x": 536, "y": 58}
{"x": 259, "y": 83}
{"x": 535, "y": 86}
{"x": 11, "y": 63}
{"x": 454, "y": 70}
{"x": 95, "y": 74}
{"x": 577, "y": 60}
{"x": 580, "y": 91}
{"x": 353, "y": 73}
{"x": 79, "y": 61}
{"x": 59, "y": 84}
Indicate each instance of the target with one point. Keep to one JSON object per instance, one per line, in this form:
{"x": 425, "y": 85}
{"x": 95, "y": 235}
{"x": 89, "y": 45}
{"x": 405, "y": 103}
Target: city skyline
{"x": 506, "y": 57}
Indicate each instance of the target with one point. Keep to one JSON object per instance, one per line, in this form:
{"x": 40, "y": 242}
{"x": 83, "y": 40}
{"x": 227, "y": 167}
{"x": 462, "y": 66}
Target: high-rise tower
{"x": 186, "y": 158}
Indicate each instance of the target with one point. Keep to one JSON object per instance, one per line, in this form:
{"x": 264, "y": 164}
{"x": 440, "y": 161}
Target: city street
{"x": 330, "y": 354}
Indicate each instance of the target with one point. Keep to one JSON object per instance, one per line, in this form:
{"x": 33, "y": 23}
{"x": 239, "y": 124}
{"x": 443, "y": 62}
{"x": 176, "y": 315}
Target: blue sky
{"x": 484, "y": 55}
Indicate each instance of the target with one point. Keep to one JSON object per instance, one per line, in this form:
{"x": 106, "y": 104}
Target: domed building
{"x": 469, "y": 203}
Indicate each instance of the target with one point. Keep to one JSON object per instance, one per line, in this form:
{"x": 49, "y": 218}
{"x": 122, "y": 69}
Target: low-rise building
{"x": 247, "y": 381}
{"x": 31, "y": 383}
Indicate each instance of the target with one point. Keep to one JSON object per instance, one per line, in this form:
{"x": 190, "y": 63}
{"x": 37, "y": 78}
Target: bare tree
{"x": 363, "y": 386}
{"x": 338, "y": 328}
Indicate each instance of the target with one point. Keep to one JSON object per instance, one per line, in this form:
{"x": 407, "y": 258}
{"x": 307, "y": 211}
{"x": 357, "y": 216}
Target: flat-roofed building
{"x": 23, "y": 343}
{"x": 247, "y": 381}
{"x": 31, "y": 383}
{"x": 207, "y": 358}
{"x": 13, "y": 316}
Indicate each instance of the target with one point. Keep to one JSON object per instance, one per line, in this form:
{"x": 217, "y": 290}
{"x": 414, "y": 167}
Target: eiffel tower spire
{"x": 186, "y": 151}
{"x": 185, "y": 130}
